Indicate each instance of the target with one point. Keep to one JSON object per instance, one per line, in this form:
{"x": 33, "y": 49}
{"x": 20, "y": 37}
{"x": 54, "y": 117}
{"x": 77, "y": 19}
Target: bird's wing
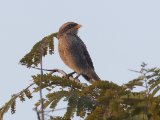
{"x": 86, "y": 54}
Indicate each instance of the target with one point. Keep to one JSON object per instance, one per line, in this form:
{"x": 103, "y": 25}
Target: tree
{"x": 101, "y": 100}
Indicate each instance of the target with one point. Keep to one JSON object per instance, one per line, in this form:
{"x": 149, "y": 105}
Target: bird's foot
{"x": 77, "y": 76}
{"x": 69, "y": 75}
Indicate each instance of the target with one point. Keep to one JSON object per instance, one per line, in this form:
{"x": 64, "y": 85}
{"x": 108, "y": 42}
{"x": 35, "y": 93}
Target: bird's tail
{"x": 91, "y": 76}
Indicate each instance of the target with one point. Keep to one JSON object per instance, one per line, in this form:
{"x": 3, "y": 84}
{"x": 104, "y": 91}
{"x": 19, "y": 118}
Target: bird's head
{"x": 69, "y": 27}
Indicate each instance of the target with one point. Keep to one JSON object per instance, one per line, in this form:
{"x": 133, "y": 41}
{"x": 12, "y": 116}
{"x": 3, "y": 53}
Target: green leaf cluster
{"x": 102, "y": 100}
{"x": 39, "y": 49}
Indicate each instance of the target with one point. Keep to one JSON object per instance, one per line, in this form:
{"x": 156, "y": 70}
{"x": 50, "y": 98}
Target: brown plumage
{"x": 73, "y": 51}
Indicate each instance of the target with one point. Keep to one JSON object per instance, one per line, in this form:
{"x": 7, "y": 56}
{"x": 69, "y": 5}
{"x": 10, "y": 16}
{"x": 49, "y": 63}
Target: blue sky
{"x": 119, "y": 35}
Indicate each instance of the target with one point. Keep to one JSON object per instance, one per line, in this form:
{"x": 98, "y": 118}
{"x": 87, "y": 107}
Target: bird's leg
{"x": 77, "y": 76}
{"x": 69, "y": 74}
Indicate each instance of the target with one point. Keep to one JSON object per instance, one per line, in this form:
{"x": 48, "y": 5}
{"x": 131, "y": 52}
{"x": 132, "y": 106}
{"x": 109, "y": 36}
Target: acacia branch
{"x": 59, "y": 71}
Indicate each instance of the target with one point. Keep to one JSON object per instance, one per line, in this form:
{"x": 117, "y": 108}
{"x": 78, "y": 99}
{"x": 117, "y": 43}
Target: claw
{"x": 77, "y": 76}
{"x": 69, "y": 75}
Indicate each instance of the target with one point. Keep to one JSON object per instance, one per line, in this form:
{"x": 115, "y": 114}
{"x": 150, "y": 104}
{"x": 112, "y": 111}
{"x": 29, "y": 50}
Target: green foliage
{"x": 12, "y": 102}
{"x": 9, "y": 104}
{"x": 102, "y": 100}
{"x": 105, "y": 100}
{"x": 22, "y": 97}
{"x": 28, "y": 94}
{"x": 13, "y": 107}
{"x": 41, "y": 48}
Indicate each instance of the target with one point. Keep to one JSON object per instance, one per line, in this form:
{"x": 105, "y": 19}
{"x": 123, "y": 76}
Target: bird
{"x": 74, "y": 53}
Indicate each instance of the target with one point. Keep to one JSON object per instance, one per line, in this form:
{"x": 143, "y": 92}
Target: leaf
{"x": 72, "y": 104}
{"x": 13, "y": 107}
{"x": 21, "y": 97}
{"x": 37, "y": 103}
{"x": 6, "y": 107}
{"x": 96, "y": 114}
{"x": 154, "y": 84}
{"x": 54, "y": 98}
{"x": 28, "y": 93}
{"x": 135, "y": 82}
{"x": 155, "y": 91}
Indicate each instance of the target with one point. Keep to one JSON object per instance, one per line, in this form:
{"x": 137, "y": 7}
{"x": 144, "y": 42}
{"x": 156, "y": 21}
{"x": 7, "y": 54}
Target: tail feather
{"x": 86, "y": 77}
{"x": 91, "y": 76}
{"x": 94, "y": 75}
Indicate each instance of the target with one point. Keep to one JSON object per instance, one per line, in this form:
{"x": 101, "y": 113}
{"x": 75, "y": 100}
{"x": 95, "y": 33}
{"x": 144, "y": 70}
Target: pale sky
{"x": 119, "y": 35}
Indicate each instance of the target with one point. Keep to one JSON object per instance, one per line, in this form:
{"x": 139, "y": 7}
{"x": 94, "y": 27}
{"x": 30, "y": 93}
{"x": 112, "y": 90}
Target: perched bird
{"x": 74, "y": 53}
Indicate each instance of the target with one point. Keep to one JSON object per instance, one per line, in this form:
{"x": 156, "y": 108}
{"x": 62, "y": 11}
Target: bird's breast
{"x": 65, "y": 52}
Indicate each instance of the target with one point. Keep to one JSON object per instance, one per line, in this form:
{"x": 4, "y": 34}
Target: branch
{"x": 59, "y": 71}
{"x": 56, "y": 110}
{"x": 38, "y": 116}
{"x": 135, "y": 71}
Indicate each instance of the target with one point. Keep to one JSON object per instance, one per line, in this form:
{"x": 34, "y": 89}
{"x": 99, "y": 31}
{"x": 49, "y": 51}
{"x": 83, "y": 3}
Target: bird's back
{"x": 74, "y": 53}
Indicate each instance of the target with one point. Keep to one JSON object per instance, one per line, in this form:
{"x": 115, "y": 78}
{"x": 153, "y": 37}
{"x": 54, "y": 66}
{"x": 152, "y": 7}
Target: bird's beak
{"x": 78, "y": 26}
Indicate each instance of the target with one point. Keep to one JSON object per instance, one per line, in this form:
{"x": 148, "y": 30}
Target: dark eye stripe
{"x": 69, "y": 27}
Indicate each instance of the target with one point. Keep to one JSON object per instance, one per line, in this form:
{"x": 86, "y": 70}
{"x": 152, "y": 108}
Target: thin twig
{"x": 37, "y": 113}
{"x": 56, "y": 109}
{"x": 43, "y": 69}
{"x": 41, "y": 95}
{"x": 135, "y": 71}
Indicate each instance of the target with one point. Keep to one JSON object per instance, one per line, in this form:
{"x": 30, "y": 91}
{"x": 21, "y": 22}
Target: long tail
{"x": 91, "y": 76}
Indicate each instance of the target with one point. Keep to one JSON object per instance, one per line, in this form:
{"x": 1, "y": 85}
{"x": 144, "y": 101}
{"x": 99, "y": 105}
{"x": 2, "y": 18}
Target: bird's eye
{"x": 71, "y": 25}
